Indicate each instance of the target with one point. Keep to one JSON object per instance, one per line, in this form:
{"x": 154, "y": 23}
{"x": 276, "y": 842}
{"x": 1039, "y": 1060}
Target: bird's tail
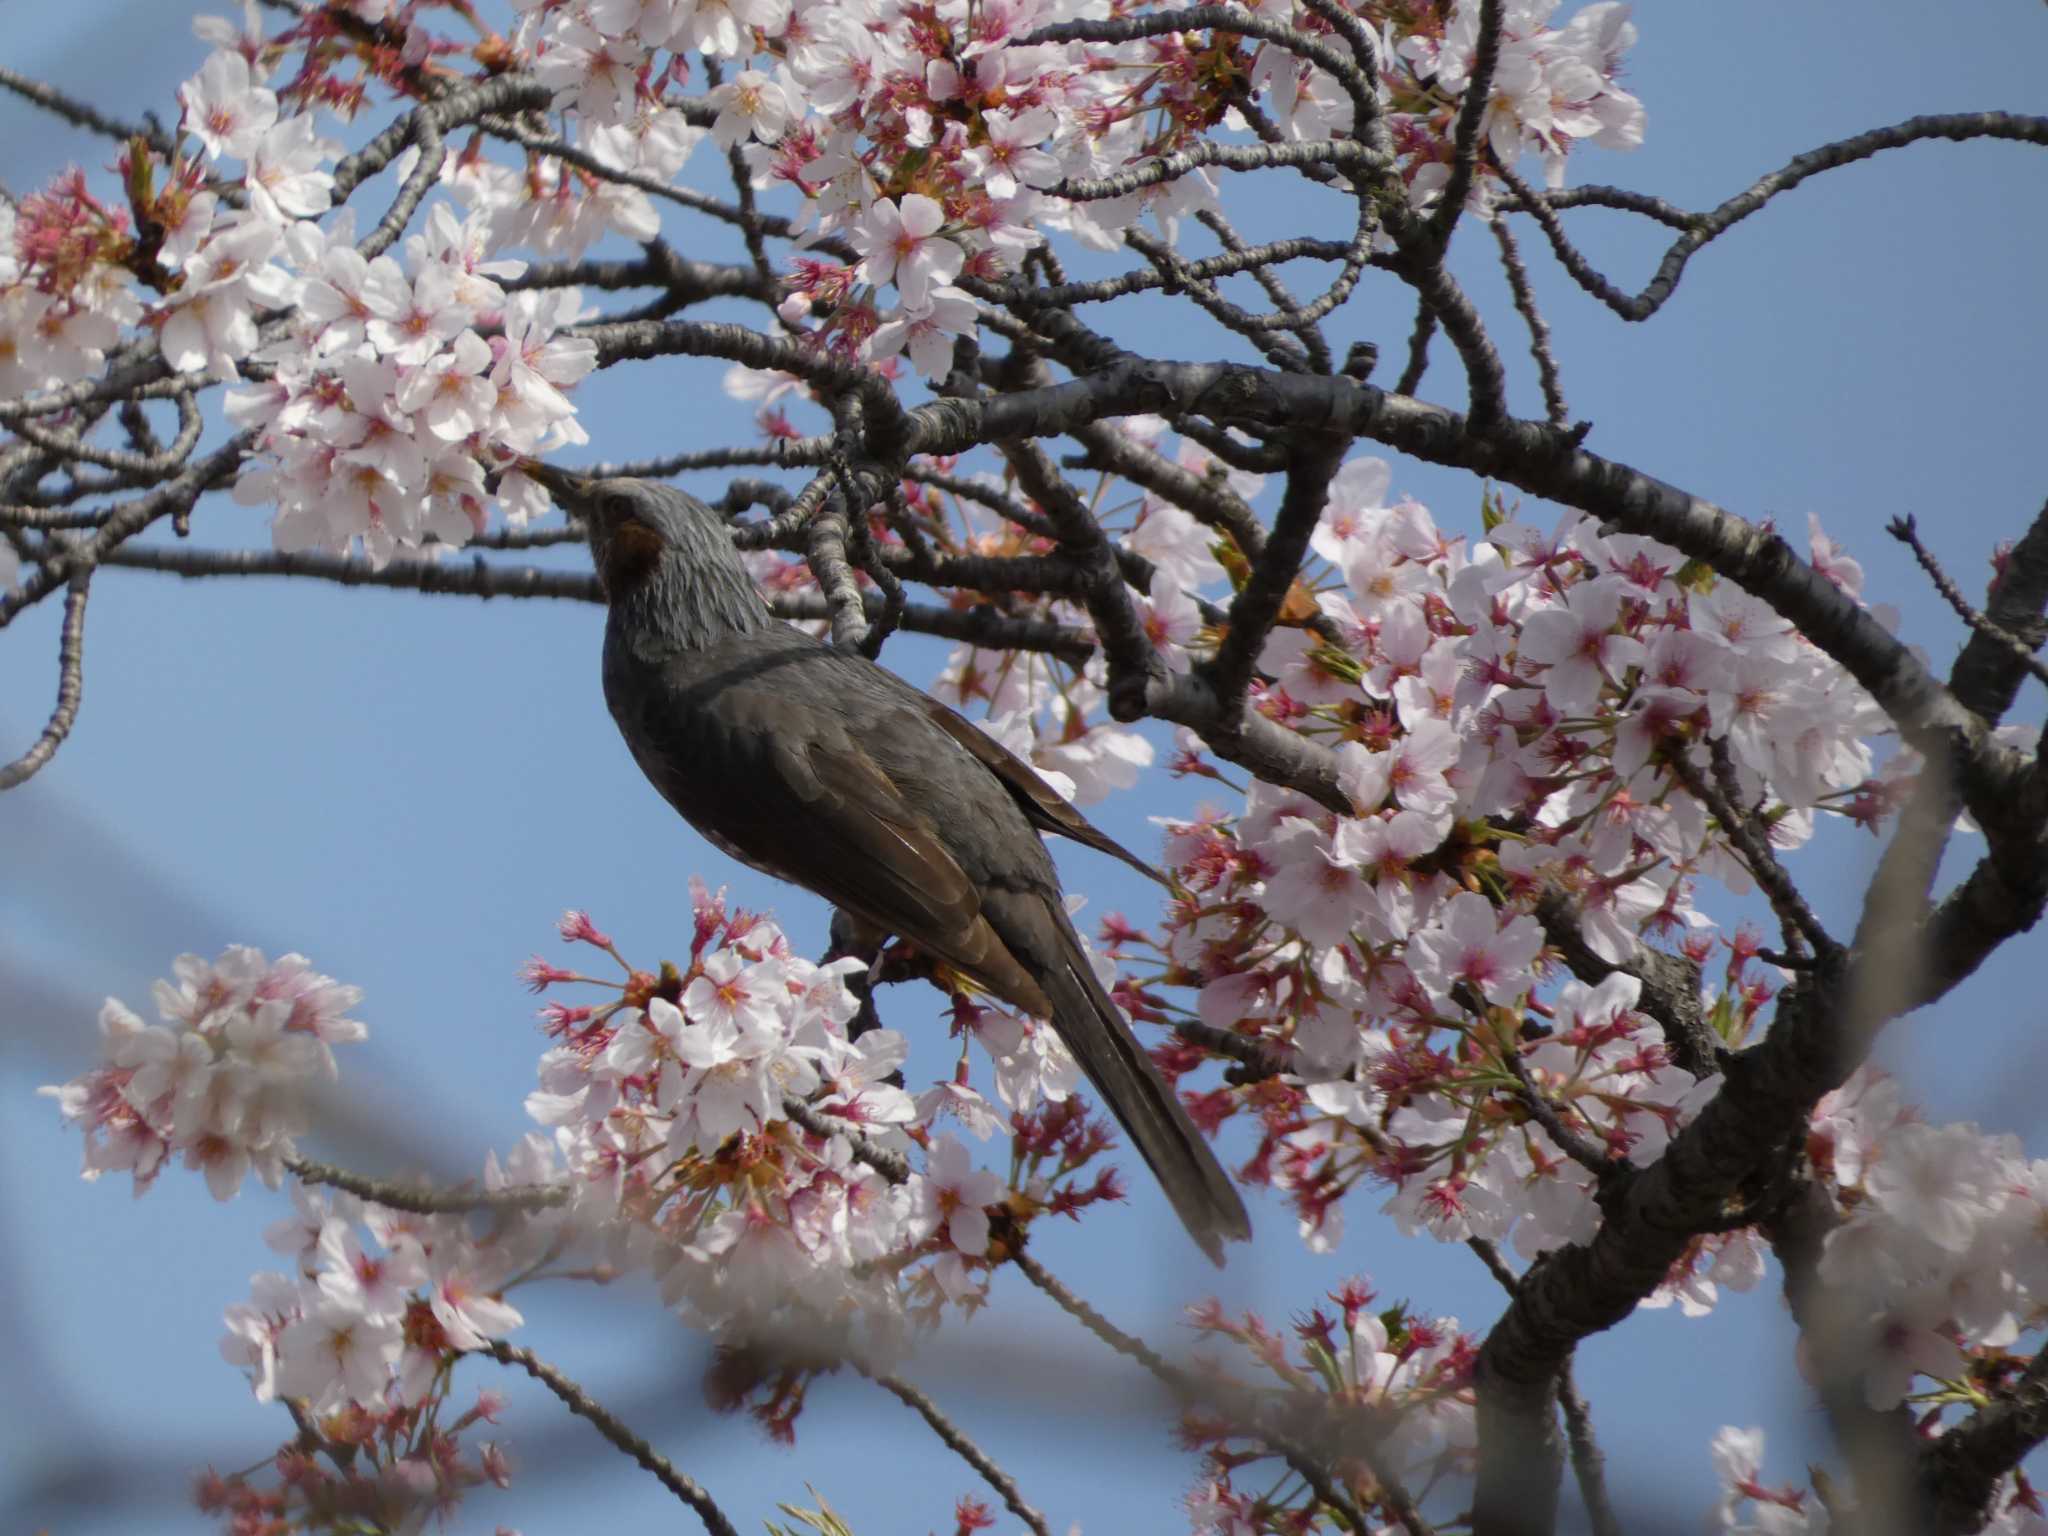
{"x": 1147, "y": 1108}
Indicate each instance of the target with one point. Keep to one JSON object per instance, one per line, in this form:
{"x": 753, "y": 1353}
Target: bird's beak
{"x": 568, "y": 489}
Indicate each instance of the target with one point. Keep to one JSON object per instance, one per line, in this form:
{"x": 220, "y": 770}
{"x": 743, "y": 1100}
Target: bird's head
{"x": 632, "y": 524}
{"x": 661, "y": 554}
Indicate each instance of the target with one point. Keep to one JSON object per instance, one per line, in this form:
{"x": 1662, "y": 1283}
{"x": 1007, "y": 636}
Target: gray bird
{"x": 819, "y": 767}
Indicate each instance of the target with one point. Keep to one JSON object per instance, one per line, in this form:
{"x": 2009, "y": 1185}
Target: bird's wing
{"x": 1041, "y": 803}
{"x": 869, "y": 850}
{"x": 819, "y": 811}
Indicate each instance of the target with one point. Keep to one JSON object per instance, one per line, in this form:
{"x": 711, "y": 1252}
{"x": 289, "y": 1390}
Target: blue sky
{"x": 408, "y": 790}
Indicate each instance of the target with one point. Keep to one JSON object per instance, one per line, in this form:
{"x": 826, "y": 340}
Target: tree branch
{"x": 1700, "y": 228}
{"x": 957, "y": 1442}
{"x": 1305, "y": 1463}
{"x": 70, "y": 688}
{"x": 584, "y": 1406}
{"x": 425, "y": 1200}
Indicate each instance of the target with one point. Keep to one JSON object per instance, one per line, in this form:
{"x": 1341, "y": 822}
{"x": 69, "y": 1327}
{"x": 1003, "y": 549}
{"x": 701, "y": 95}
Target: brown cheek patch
{"x": 630, "y": 556}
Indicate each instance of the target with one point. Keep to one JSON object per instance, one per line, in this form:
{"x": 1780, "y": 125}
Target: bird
{"x": 818, "y": 766}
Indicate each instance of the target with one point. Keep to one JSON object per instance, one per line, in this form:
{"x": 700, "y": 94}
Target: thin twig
{"x": 584, "y": 1406}
{"x": 696, "y": 202}
{"x": 1907, "y": 531}
{"x": 121, "y": 523}
{"x": 1794, "y": 915}
{"x": 957, "y": 1442}
{"x": 80, "y": 114}
{"x": 70, "y": 446}
{"x": 776, "y": 453}
{"x": 1258, "y": 603}
{"x": 982, "y": 625}
{"x": 1539, "y": 328}
{"x": 1086, "y": 549}
{"x": 1207, "y": 499}
{"x": 70, "y": 688}
{"x": 1284, "y": 301}
{"x": 1280, "y": 351}
{"x": 1489, "y": 1255}
{"x": 1471, "y": 112}
{"x": 1697, "y": 229}
{"x": 475, "y": 577}
{"x": 1589, "y": 1467}
{"x": 1350, "y": 73}
{"x": 425, "y": 1199}
{"x": 1418, "y": 351}
{"x": 1259, "y": 1057}
{"x": 1601, "y": 1164}
{"x": 892, "y": 1166}
{"x": 1306, "y": 1465}
{"x": 1251, "y": 258}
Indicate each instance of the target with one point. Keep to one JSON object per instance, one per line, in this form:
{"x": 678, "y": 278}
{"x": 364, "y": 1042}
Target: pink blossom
{"x": 375, "y": 1286}
{"x": 1010, "y": 157}
{"x": 954, "y": 1194}
{"x": 469, "y": 1313}
{"x": 927, "y": 332}
{"x": 750, "y": 105}
{"x": 333, "y": 1355}
{"x": 900, "y": 243}
{"x": 450, "y": 394}
{"x": 1468, "y": 942}
{"x": 286, "y": 179}
{"x": 1311, "y": 889}
{"x": 1577, "y": 646}
{"x": 225, "y": 108}
{"x": 210, "y": 324}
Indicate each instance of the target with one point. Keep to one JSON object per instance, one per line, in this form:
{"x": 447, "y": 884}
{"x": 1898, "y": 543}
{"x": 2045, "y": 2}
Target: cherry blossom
{"x": 1577, "y": 648}
{"x": 224, "y": 107}
{"x": 955, "y": 1195}
{"x": 225, "y": 1078}
{"x": 900, "y": 242}
{"x": 750, "y": 105}
{"x": 927, "y": 331}
{"x": 1786, "y": 1511}
{"x": 1469, "y": 945}
{"x": 333, "y": 1354}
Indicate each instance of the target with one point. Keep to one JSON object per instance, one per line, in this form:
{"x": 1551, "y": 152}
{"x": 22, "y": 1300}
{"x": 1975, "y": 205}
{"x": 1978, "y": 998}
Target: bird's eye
{"x": 618, "y": 506}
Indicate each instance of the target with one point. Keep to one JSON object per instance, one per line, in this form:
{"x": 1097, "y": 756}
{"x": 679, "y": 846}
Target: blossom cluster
{"x": 393, "y": 401}
{"x": 1045, "y": 711}
{"x": 64, "y": 299}
{"x": 361, "y": 1335}
{"x": 715, "y": 1124}
{"x": 678, "y": 1105}
{"x": 1936, "y": 1268}
{"x": 1751, "y": 1507}
{"x": 381, "y": 1302}
{"x": 362, "y": 1338}
{"x": 1523, "y": 716}
{"x": 225, "y": 1080}
{"x": 1940, "y": 1262}
{"x": 371, "y": 1327}
{"x": 944, "y": 140}
{"x": 385, "y": 392}
{"x": 1396, "y": 1376}
{"x": 397, "y": 388}
{"x": 396, "y": 1470}
{"x": 1552, "y": 87}
{"x": 389, "y": 390}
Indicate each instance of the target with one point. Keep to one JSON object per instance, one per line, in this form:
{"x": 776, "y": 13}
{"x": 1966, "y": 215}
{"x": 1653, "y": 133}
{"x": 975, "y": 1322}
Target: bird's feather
{"x": 1048, "y": 810}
